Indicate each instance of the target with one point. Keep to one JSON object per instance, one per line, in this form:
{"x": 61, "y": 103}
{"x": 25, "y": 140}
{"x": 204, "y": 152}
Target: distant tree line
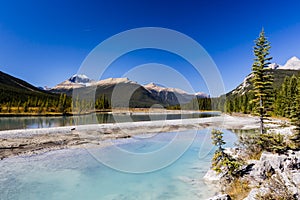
{"x": 284, "y": 101}
{"x": 22, "y": 102}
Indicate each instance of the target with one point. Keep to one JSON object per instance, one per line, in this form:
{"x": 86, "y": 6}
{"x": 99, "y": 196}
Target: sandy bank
{"x": 32, "y": 141}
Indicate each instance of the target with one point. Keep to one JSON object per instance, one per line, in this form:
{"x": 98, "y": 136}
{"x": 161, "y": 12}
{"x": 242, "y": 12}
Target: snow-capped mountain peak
{"x": 294, "y": 59}
{"x": 79, "y": 81}
{"x": 201, "y": 94}
{"x": 79, "y": 78}
{"x": 76, "y": 81}
{"x": 292, "y": 64}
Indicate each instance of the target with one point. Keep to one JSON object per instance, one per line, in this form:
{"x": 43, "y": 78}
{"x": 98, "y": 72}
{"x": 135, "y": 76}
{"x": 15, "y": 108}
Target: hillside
{"x": 14, "y": 89}
{"x": 291, "y": 67}
{"x": 279, "y": 75}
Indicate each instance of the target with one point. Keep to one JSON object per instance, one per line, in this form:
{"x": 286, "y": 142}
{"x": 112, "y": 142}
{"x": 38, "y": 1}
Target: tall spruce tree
{"x": 295, "y": 107}
{"x": 262, "y": 78}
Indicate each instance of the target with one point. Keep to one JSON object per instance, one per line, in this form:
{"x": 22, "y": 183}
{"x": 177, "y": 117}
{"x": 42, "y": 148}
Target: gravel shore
{"x": 34, "y": 141}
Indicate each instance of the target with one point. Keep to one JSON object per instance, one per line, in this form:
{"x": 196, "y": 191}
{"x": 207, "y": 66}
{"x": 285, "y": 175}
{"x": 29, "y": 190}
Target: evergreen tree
{"x": 25, "y": 106}
{"x": 221, "y": 160}
{"x": 295, "y": 108}
{"x": 262, "y": 78}
{"x": 217, "y": 139}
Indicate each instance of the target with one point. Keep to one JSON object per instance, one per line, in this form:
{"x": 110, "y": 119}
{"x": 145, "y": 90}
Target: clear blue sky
{"x": 44, "y": 42}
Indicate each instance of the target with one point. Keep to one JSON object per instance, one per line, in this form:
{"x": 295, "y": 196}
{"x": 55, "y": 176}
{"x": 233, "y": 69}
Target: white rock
{"x": 212, "y": 176}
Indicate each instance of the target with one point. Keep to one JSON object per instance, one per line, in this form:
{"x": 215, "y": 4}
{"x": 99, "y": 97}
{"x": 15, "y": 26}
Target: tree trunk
{"x": 261, "y": 116}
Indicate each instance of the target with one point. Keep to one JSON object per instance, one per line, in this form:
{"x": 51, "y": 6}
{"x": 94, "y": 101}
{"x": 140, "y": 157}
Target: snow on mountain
{"x": 158, "y": 88}
{"x": 76, "y": 81}
{"x": 112, "y": 81}
{"x": 242, "y": 88}
{"x": 201, "y": 95}
{"x": 153, "y": 86}
{"x": 79, "y": 78}
{"x": 293, "y": 64}
{"x": 79, "y": 81}
{"x": 172, "y": 96}
{"x": 274, "y": 66}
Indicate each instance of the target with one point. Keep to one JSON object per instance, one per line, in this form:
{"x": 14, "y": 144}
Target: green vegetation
{"x": 195, "y": 104}
{"x": 261, "y": 96}
{"x": 222, "y": 161}
{"x": 265, "y": 97}
{"x": 262, "y": 78}
{"x": 18, "y": 97}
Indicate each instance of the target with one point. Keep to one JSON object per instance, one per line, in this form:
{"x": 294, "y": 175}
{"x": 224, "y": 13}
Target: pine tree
{"x": 217, "y": 139}
{"x": 295, "y": 107}
{"x": 221, "y": 160}
{"x": 262, "y": 78}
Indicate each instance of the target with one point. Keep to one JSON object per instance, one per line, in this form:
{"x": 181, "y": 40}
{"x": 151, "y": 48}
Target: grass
{"x": 238, "y": 189}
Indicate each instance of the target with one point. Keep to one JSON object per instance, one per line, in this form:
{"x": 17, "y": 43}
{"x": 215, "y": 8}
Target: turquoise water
{"x": 76, "y": 174}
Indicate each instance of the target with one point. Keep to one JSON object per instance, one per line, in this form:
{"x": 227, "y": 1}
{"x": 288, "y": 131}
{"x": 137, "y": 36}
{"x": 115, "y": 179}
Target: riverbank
{"x": 26, "y": 142}
{"x": 127, "y": 111}
{"x": 270, "y": 165}
{"x": 34, "y": 141}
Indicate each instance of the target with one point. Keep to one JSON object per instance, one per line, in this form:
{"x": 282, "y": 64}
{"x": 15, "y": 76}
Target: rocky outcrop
{"x": 273, "y": 174}
{"x": 212, "y": 176}
{"x": 276, "y": 173}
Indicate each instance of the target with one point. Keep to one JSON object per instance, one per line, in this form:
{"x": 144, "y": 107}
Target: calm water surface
{"x": 9, "y": 123}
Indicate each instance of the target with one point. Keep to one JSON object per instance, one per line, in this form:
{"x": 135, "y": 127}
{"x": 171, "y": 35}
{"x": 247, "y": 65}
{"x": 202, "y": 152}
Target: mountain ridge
{"x": 14, "y": 92}
{"x": 291, "y": 67}
{"x": 163, "y": 95}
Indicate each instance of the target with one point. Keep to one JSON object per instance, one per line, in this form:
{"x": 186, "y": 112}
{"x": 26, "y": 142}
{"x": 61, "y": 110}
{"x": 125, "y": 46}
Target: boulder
{"x": 276, "y": 171}
{"x": 212, "y": 176}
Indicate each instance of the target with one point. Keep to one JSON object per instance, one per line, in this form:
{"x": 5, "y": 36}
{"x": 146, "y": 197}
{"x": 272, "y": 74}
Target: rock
{"x": 246, "y": 169}
{"x": 262, "y": 170}
{"x": 296, "y": 178}
{"x": 220, "y": 197}
{"x": 254, "y": 192}
{"x": 212, "y": 176}
{"x": 277, "y": 171}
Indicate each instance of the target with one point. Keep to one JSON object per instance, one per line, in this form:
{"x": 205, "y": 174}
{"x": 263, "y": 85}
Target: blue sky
{"x": 45, "y": 42}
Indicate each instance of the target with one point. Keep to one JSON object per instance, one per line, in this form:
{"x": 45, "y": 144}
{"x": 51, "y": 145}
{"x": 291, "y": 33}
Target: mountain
{"x": 79, "y": 78}
{"x": 144, "y": 95}
{"x": 122, "y": 86}
{"x": 292, "y": 64}
{"x": 8, "y": 81}
{"x": 14, "y": 89}
{"x": 76, "y": 81}
{"x": 172, "y": 96}
{"x": 291, "y": 67}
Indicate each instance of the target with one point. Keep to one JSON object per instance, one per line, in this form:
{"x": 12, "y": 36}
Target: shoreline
{"x": 131, "y": 111}
{"x": 33, "y": 141}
